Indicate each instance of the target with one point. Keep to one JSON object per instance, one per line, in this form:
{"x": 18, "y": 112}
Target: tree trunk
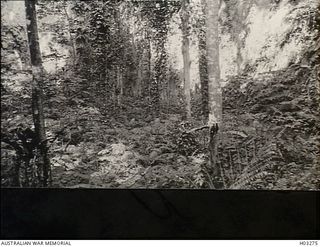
{"x": 139, "y": 78}
{"x": 138, "y": 61}
{"x": 149, "y": 65}
{"x": 214, "y": 90}
{"x": 186, "y": 56}
{"x": 37, "y": 94}
{"x": 159, "y": 76}
{"x": 203, "y": 71}
{"x": 119, "y": 86}
{"x": 160, "y": 65}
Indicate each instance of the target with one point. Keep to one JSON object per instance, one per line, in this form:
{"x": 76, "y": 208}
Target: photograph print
{"x": 155, "y": 94}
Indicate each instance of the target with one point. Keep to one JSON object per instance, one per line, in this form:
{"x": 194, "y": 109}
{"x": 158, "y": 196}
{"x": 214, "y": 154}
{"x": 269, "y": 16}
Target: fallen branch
{"x": 197, "y": 129}
{"x": 239, "y": 133}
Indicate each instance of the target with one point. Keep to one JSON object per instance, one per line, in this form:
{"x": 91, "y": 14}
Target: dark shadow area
{"x": 158, "y": 214}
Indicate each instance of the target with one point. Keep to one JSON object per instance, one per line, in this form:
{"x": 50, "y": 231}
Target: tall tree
{"x": 37, "y": 92}
{"x": 203, "y": 73}
{"x": 186, "y": 55}
{"x": 214, "y": 89}
{"x": 159, "y": 22}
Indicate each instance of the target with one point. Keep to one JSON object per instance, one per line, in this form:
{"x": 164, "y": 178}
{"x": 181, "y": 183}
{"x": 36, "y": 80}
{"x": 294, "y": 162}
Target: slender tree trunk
{"x": 149, "y": 66}
{"x": 214, "y": 90}
{"x": 172, "y": 89}
{"x": 138, "y": 62}
{"x": 37, "y": 94}
{"x": 119, "y": 85}
{"x": 145, "y": 67}
{"x": 203, "y": 71}
{"x": 160, "y": 65}
{"x": 186, "y": 55}
{"x": 159, "y": 76}
{"x": 139, "y": 77}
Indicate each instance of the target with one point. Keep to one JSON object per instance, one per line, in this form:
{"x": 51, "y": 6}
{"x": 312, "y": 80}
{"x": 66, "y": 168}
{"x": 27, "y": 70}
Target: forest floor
{"x": 131, "y": 154}
{"x": 268, "y": 141}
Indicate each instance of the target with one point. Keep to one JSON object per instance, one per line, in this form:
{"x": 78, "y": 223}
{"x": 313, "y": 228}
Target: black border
{"x": 158, "y": 214}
